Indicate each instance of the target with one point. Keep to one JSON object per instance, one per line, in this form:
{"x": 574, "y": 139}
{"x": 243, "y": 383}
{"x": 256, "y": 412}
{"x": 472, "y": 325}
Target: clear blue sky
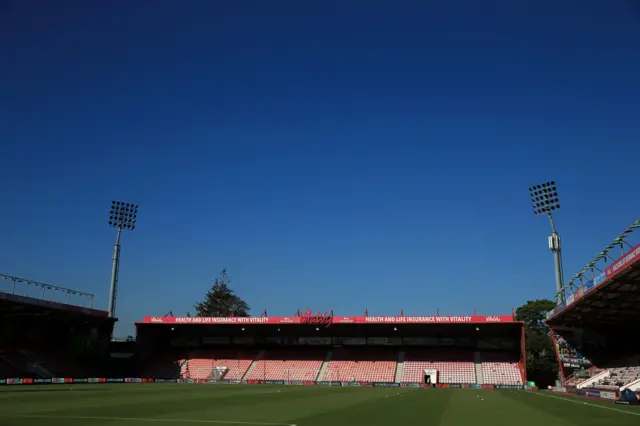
{"x": 330, "y": 154}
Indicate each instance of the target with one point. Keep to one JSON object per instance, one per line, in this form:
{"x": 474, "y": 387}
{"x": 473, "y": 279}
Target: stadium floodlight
{"x": 544, "y": 198}
{"x": 122, "y": 216}
{"x": 545, "y": 201}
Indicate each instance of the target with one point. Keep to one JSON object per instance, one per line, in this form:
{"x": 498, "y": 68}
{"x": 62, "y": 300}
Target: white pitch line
{"x": 587, "y": 403}
{"x": 142, "y": 419}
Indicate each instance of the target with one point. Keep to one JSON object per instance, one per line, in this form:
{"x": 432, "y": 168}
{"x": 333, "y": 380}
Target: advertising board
{"x": 327, "y": 320}
{"x": 599, "y": 279}
{"x": 607, "y": 395}
{"x": 588, "y": 287}
{"x": 629, "y": 258}
{"x": 579, "y": 293}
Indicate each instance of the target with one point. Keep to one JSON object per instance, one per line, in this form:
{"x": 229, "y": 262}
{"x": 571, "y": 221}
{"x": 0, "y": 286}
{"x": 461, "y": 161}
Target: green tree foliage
{"x": 221, "y": 300}
{"x": 542, "y": 364}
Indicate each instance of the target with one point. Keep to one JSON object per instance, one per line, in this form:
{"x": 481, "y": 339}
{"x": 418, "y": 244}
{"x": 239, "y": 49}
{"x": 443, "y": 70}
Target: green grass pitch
{"x": 262, "y": 405}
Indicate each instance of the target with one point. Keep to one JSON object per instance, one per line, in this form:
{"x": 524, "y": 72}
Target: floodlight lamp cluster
{"x": 544, "y": 198}
{"x": 123, "y": 215}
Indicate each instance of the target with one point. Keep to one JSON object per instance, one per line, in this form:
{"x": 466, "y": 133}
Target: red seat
{"x": 362, "y": 364}
{"x": 451, "y": 366}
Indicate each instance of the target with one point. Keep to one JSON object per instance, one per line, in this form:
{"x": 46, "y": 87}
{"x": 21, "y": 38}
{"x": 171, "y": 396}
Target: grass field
{"x": 261, "y": 405}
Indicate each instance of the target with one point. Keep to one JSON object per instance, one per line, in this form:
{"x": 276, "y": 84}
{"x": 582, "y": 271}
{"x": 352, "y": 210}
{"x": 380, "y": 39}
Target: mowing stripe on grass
{"x": 586, "y": 403}
{"x": 142, "y": 419}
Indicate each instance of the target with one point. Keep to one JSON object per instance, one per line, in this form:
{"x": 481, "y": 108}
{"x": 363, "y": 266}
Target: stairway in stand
{"x": 252, "y": 366}
{"x": 477, "y": 358}
{"x": 399, "y": 367}
{"x": 323, "y": 369}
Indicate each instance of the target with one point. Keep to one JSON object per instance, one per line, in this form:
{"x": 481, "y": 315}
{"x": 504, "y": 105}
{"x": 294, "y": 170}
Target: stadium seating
{"x": 7, "y": 370}
{"x": 25, "y": 362}
{"x": 13, "y": 360}
{"x": 202, "y": 364}
{"x": 452, "y": 366}
{"x": 500, "y": 369}
{"x": 289, "y": 365}
{"x": 167, "y": 366}
{"x": 362, "y": 364}
{"x": 573, "y": 381}
{"x": 47, "y": 361}
{"x": 619, "y": 377}
{"x": 626, "y": 371}
{"x": 501, "y": 373}
{"x": 51, "y": 362}
{"x": 582, "y": 375}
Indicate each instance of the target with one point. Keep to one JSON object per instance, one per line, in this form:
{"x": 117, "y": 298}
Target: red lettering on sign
{"x": 318, "y": 319}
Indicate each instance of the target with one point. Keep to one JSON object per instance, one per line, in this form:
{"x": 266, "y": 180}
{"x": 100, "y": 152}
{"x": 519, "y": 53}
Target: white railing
{"x": 602, "y": 375}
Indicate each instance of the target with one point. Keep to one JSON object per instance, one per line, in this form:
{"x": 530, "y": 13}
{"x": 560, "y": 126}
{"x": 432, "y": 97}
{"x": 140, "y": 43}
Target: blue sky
{"x": 334, "y": 154}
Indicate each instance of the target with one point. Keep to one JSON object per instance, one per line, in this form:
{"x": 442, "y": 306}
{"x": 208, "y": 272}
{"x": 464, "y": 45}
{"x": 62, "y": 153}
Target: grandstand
{"x": 40, "y": 338}
{"x": 204, "y": 364}
{"x": 453, "y": 366}
{"x": 358, "y": 364}
{"x": 295, "y": 364}
{"x": 467, "y": 350}
{"x": 594, "y": 329}
{"x": 48, "y": 340}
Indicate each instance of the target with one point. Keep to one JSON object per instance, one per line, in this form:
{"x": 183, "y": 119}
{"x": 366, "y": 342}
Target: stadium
{"x": 360, "y": 167}
{"x": 318, "y": 368}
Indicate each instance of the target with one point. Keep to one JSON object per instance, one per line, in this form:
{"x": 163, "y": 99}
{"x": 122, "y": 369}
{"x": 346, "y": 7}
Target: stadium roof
{"x": 35, "y": 297}
{"x": 445, "y": 329}
{"x": 609, "y": 298}
{"x": 15, "y": 305}
{"x": 600, "y": 261}
{"x": 323, "y": 319}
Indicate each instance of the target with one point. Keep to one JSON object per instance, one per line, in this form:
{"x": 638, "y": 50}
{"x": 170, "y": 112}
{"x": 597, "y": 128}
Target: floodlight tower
{"x": 544, "y": 198}
{"x": 122, "y": 216}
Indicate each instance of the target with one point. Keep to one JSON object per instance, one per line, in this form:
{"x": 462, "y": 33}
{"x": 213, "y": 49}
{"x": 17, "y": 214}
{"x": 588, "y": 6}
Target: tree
{"x": 221, "y": 300}
{"x": 542, "y": 365}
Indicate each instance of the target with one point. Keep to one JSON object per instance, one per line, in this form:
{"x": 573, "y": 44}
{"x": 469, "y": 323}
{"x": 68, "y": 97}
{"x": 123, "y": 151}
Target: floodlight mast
{"x": 122, "y": 216}
{"x": 544, "y": 199}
